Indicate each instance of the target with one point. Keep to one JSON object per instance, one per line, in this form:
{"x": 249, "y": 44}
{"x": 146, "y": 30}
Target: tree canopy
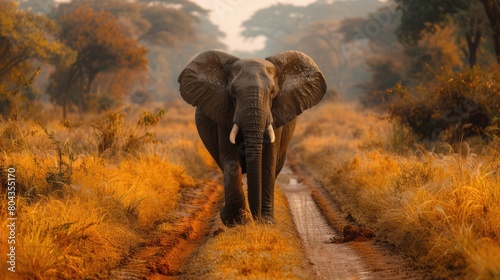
{"x": 101, "y": 46}
{"x": 470, "y": 17}
{"x": 167, "y": 23}
{"x": 172, "y": 31}
{"x": 492, "y": 10}
{"x": 286, "y": 19}
{"x": 99, "y": 49}
{"x": 26, "y": 42}
{"x": 421, "y": 15}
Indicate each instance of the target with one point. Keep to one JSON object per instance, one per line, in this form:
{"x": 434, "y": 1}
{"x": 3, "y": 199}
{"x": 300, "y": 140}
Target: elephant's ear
{"x": 203, "y": 84}
{"x": 301, "y": 85}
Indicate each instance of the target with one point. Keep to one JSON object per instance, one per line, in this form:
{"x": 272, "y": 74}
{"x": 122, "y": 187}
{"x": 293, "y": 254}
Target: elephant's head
{"x": 252, "y": 97}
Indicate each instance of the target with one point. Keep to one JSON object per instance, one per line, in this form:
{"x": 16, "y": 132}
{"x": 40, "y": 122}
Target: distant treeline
{"x": 92, "y": 55}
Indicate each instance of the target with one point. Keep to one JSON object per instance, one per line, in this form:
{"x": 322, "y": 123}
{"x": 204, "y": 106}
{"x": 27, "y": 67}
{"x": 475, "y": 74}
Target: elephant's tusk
{"x": 270, "y": 131}
{"x": 234, "y": 132}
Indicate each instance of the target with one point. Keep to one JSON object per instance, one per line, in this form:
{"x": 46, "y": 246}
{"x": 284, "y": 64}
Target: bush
{"x": 6, "y": 103}
{"x": 113, "y": 134}
{"x": 454, "y": 105}
{"x": 409, "y": 64}
{"x": 386, "y": 71}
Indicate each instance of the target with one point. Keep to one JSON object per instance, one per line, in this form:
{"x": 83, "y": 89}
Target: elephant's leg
{"x": 273, "y": 160}
{"x": 233, "y": 211}
{"x": 280, "y": 163}
{"x": 286, "y": 136}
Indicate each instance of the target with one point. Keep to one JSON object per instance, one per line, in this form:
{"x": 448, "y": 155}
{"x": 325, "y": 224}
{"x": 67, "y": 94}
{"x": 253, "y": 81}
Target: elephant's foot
{"x": 232, "y": 216}
{"x": 268, "y": 219}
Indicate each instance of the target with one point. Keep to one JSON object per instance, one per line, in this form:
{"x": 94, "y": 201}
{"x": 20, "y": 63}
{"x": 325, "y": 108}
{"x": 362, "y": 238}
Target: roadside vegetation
{"x": 80, "y": 212}
{"x": 90, "y": 195}
{"x": 124, "y": 162}
{"x": 417, "y": 161}
{"x": 437, "y": 202}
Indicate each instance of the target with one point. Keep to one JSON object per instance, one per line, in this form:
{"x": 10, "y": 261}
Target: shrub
{"x": 386, "y": 71}
{"x": 107, "y": 130}
{"x": 409, "y": 64}
{"x": 6, "y": 103}
{"x": 112, "y": 133}
{"x": 454, "y": 105}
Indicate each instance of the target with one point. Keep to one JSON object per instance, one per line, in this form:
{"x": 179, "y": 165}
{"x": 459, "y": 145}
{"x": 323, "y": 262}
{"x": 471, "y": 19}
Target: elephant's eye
{"x": 231, "y": 92}
{"x": 273, "y": 92}
{"x": 232, "y": 95}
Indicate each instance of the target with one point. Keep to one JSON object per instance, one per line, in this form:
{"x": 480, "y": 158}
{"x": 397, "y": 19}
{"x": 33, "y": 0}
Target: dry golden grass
{"x": 442, "y": 209}
{"x": 88, "y": 226}
{"x": 252, "y": 251}
{"x": 80, "y": 213}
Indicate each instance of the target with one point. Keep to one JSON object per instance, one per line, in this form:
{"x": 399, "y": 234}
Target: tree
{"x": 165, "y": 22}
{"x": 423, "y": 17}
{"x": 187, "y": 6}
{"x": 101, "y": 45}
{"x": 26, "y": 42}
{"x": 280, "y": 21}
{"x": 492, "y": 10}
{"x": 322, "y": 41}
{"x": 473, "y": 27}
{"x": 168, "y": 26}
{"x": 387, "y": 69}
{"x": 435, "y": 51}
{"x": 383, "y": 22}
{"x": 172, "y": 31}
{"x": 385, "y": 58}
{"x": 274, "y": 22}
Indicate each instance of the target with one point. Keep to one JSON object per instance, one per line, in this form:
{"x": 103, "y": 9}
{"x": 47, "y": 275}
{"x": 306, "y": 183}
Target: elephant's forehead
{"x": 254, "y": 65}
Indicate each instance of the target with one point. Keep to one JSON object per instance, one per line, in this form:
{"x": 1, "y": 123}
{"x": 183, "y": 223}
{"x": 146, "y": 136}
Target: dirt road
{"x": 330, "y": 253}
{"x": 165, "y": 251}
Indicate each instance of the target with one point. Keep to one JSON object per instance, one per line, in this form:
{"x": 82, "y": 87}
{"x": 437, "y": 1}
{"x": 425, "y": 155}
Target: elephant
{"x": 245, "y": 115}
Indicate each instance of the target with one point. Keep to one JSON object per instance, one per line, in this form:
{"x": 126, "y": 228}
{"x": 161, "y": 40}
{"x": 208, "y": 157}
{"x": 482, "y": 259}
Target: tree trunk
{"x": 472, "y": 47}
{"x": 65, "y": 101}
{"x": 67, "y": 88}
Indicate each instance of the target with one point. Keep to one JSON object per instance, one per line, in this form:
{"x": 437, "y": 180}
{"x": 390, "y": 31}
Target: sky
{"x": 229, "y": 15}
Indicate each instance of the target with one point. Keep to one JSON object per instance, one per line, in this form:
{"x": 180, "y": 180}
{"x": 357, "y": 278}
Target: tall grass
{"x": 441, "y": 207}
{"x": 81, "y": 211}
{"x": 90, "y": 193}
{"x": 91, "y": 224}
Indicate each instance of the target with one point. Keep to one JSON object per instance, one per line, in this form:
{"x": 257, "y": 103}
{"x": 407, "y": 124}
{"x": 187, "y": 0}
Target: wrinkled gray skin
{"x": 252, "y": 94}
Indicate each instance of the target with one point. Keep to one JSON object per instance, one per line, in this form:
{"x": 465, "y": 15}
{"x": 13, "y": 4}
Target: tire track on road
{"x": 345, "y": 260}
{"x": 165, "y": 253}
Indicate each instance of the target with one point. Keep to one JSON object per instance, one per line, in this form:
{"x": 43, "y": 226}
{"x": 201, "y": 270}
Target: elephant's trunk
{"x": 253, "y": 127}
{"x": 253, "y": 153}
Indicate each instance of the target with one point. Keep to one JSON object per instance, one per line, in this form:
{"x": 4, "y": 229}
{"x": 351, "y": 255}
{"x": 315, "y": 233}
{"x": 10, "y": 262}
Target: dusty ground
{"x": 165, "y": 251}
{"x": 336, "y": 247}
